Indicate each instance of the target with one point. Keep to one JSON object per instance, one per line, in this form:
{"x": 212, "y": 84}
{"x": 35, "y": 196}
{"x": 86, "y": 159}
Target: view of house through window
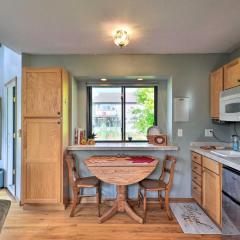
{"x": 121, "y": 113}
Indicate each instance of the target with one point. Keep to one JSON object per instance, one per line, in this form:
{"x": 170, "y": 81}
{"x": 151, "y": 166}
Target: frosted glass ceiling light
{"x": 121, "y": 38}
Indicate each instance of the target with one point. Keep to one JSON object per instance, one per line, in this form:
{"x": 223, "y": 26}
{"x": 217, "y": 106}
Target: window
{"x": 121, "y": 113}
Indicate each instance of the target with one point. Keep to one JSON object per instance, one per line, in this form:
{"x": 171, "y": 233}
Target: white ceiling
{"x": 86, "y": 26}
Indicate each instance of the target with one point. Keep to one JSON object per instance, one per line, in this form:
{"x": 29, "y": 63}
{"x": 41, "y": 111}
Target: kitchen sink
{"x": 226, "y": 153}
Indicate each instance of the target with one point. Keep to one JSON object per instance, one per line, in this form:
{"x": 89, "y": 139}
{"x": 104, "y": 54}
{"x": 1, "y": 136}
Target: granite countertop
{"x": 137, "y": 146}
{"x": 227, "y": 161}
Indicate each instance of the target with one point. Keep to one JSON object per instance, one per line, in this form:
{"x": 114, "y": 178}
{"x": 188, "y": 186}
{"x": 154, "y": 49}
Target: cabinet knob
{"x": 58, "y": 113}
{"x": 238, "y": 80}
{"x": 58, "y": 122}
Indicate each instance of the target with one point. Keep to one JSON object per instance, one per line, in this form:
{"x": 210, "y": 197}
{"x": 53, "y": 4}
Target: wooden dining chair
{"x": 78, "y": 184}
{"x": 159, "y": 185}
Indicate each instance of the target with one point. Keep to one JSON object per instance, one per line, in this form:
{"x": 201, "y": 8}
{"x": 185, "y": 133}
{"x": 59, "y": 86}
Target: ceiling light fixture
{"x": 121, "y": 38}
{"x": 139, "y": 79}
{"x": 103, "y": 79}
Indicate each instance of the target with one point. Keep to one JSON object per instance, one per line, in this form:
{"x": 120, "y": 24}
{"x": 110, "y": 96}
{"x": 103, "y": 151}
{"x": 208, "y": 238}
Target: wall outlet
{"x": 208, "y": 132}
{"x": 180, "y": 132}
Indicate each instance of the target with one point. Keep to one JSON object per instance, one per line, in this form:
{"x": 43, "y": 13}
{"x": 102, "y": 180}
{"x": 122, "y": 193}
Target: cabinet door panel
{"x": 42, "y": 148}
{"x": 216, "y": 86}
{"x": 232, "y": 74}
{"x": 211, "y": 190}
{"x": 43, "y": 140}
{"x": 42, "y": 93}
{"x": 42, "y": 183}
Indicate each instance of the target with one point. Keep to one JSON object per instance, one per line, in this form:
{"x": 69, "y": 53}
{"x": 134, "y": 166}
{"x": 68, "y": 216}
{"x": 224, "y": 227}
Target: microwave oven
{"x": 230, "y": 105}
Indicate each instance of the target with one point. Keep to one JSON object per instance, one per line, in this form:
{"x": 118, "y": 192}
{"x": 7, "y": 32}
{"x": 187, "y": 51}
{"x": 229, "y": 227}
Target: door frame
{"x": 10, "y": 83}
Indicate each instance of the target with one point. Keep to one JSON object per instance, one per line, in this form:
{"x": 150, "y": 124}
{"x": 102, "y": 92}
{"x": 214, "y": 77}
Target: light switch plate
{"x": 180, "y": 132}
{"x": 208, "y": 132}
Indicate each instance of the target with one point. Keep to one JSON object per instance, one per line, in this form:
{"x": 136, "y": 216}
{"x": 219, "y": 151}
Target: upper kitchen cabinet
{"x": 232, "y": 74}
{"x": 42, "y": 95}
{"x": 216, "y": 86}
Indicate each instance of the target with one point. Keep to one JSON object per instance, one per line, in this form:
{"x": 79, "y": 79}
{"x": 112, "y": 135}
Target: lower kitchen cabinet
{"x": 211, "y": 200}
{"x": 197, "y": 177}
{"x": 207, "y": 186}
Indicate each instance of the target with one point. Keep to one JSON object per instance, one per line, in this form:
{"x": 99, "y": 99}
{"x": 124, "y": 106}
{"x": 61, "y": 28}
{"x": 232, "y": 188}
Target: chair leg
{"x": 75, "y": 202}
{"x": 98, "y": 199}
{"x": 100, "y": 193}
{"x": 80, "y": 193}
{"x": 160, "y": 199}
{"x": 169, "y": 213}
{"x": 145, "y": 205}
{"x": 139, "y": 197}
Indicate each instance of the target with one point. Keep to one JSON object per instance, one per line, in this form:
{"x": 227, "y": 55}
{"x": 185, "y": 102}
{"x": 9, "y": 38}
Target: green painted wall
{"x": 190, "y": 78}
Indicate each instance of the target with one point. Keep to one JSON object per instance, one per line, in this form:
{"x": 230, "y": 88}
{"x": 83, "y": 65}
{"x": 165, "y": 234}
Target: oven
{"x": 230, "y": 201}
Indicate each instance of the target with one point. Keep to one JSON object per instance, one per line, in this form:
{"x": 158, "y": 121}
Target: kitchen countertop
{"x": 137, "y": 146}
{"x": 231, "y": 162}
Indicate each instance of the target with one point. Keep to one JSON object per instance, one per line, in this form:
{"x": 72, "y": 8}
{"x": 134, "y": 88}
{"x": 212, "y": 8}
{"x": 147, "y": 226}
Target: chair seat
{"x": 152, "y": 185}
{"x": 88, "y": 182}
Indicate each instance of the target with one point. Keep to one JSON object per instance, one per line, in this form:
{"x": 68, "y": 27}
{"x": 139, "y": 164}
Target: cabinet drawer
{"x": 197, "y": 158}
{"x": 197, "y": 178}
{"x": 197, "y": 168}
{"x": 211, "y": 165}
{"x": 197, "y": 193}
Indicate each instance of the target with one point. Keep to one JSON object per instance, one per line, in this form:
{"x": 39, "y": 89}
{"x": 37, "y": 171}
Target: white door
{"x": 11, "y": 137}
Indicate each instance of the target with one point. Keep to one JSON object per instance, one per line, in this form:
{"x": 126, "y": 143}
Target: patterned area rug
{"x": 4, "y": 207}
{"x": 193, "y": 220}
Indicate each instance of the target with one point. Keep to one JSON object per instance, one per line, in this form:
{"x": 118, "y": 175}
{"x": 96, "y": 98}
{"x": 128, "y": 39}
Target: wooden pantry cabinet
{"x": 232, "y": 74}
{"x": 45, "y": 104}
{"x": 207, "y": 185}
{"x": 216, "y": 86}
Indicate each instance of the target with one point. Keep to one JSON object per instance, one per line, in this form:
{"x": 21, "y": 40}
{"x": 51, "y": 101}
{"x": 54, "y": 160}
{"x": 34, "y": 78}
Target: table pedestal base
{"x": 120, "y": 205}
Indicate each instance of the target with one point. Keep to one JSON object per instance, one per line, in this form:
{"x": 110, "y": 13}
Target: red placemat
{"x": 141, "y": 159}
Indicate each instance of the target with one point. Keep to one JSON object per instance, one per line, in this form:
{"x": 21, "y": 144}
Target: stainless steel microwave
{"x": 230, "y": 105}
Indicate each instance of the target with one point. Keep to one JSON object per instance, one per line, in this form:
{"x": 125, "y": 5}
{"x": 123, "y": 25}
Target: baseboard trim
{"x": 45, "y": 207}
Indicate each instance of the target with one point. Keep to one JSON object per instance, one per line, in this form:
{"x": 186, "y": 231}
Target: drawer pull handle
{"x": 194, "y": 188}
{"x": 238, "y": 80}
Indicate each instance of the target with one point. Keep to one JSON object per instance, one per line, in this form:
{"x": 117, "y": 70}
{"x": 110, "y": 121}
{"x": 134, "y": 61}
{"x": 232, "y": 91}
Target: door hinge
{"x": 14, "y": 171}
{"x": 14, "y": 135}
{"x": 19, "y": 132}
{"x": 14, "y": 99}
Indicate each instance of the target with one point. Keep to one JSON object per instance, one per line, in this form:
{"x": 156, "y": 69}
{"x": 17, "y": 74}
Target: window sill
{"x": 122, "y": 146}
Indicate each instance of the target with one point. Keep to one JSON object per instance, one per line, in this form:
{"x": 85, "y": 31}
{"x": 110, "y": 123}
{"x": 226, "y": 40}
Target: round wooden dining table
{"x": 121, "y": 171}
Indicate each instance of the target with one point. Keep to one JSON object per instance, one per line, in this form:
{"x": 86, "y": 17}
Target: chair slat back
{"x": 168, "y": 168}
{"x": 72, "y": 169}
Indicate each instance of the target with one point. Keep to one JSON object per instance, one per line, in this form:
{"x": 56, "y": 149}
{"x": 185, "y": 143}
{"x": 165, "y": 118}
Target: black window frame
{"x": 123, "y": 104}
